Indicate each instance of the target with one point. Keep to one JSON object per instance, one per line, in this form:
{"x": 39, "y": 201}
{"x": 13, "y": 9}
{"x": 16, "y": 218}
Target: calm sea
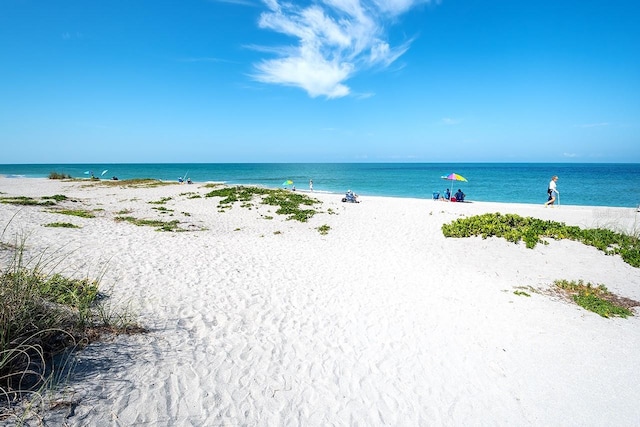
{"x": 579, "y": 183}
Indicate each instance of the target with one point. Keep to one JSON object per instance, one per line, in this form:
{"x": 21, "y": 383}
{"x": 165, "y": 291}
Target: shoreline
{"x": 322, "y": 192}
{"x": 255, "y": 319}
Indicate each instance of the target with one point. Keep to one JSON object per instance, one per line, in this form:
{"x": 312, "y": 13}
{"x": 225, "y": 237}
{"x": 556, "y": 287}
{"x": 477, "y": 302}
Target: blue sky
{"x": 325, "y": 81}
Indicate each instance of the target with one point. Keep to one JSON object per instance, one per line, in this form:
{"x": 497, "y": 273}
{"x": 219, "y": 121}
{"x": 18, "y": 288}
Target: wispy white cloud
{"x": 450, "y": 122}
{"x": 336, "y": 39}
{"x": 71, "y": 36}
{"x": 570, "y": 155}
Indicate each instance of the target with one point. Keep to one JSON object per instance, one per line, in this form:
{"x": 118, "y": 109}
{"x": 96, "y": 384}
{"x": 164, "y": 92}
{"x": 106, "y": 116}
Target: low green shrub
{"x": 323, "y": 229}
{"x": 43, "y": 315}
{"x": 597, "y": 298}
{"x": 532, "y": 231}
{"x": 61, "y": 225}
{"x": 288, "y": 202}
{"x": 75, "y": 212}
{"x": 26, "y": 201}
{"x": 160, "y": 225}
{"x": 57, "y": 175}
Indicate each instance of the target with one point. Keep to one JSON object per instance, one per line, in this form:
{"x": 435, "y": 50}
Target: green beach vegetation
{"x": 134, "y": 183}
{"x": 61, "y": 225}
{"x": 75, "y": 212}
{"x": 45, "y": 315}
{"x": 26, "y": 201}
{"x": 162, "y": 201}
{"x": 57, "y": 175}
{"x": 596, "y": 298}
{"x": 158, "y": 224}
{"x": 515, "y": 228}
{"x": 289, "y": 203}
{"x": 323, "y": 229}
{"x": 30, "y": 201}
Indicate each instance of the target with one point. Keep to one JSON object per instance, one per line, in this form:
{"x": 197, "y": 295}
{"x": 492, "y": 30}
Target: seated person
{"x": 459, "y": 196}
{"x": 436, "y": 195}
{"x": 447, "y": 194}
{"x": 351, "y": 197}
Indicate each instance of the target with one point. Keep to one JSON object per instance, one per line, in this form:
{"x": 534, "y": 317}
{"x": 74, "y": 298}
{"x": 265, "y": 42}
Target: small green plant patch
{"x": 75, "y": 212}
{"x": 57, "y": 175}
{"x": 26, "y": 201}
{"x": 230, "y": 195}
{"x": 162, "y": 209}
{"x": 532, "y": 231}
{"x": 289, "y": 203}
{"x": 158, "y": 224}
{"x": 56, "y": 197}
{"x": 191, "y": 195}
{"x": 324, "y": 229}
{"x": 134, "y": 183}
{"x": 43, "y": 315}
{"x": 521, "y": 293}
{"x": 61, "y": 225}
{"x": 162, "y": 201}
{"x": 596, "y": 298}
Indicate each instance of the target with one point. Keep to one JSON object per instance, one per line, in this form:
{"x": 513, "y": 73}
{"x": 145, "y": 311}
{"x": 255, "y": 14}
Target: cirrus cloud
{"x": 336, "y": 39}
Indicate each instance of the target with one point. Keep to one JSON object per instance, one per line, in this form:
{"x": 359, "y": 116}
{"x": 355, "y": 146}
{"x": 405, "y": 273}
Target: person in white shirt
{"x": 552, "y": 191}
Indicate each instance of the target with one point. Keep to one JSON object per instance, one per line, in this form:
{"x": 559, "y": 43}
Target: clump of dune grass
{"x": 158, "y": 224}
{"x": 521, "y": 293}
{"x": 43, "y": 315}
{"x": 323, "y": 229}
{"x": 532, "y": 231}
{"x": 191, "y": 195}
{"x": 162, "y": 201}
{"x": 57, "y": 175}
{"x": 30, "y": 201}
{"x": 289, "y": 203}
{"x": 61, "y": 225}
{"x": 596, "y": 298}
{"x": 135, "y": 183}
{"x": 26, "y": 201}
{"x": 163, "y": 210}
{"x": 75, "y": 212}
{"x": 56, "y": 197}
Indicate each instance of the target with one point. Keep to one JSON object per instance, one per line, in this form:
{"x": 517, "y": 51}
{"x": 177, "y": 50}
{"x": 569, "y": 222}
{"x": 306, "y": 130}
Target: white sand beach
{"x": 382, "y": 321}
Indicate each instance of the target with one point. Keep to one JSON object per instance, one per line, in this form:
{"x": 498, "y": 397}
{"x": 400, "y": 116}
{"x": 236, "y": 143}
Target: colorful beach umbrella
{"x": 287, "y": 182}
{"x": 454, "y": 177}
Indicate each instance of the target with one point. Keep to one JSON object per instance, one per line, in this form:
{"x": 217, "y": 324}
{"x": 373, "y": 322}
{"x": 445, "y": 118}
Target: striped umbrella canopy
{"x": 454, "y": 177}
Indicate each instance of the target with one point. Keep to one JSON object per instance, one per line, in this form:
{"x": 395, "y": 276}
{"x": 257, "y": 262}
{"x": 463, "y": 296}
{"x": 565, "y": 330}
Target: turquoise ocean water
{"x": 593, "y": 184}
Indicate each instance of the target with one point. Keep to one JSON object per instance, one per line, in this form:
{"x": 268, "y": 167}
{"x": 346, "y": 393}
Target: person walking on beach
{"x": 552, "y": 190}
{"x": 310, "y": 185}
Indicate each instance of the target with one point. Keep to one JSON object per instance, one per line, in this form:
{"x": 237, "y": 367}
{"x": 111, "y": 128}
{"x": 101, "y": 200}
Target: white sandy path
{"x": 381, "y": 322}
